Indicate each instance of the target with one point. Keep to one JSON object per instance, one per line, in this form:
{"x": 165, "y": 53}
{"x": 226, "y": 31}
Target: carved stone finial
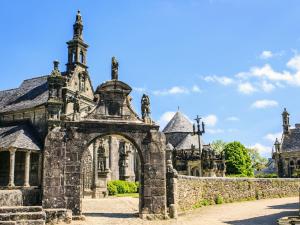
{"x": 55, "y": 65}
{"x": 55, "y": 72}
{"x": 114, "y": 68}
{"x": 78, "y": 17}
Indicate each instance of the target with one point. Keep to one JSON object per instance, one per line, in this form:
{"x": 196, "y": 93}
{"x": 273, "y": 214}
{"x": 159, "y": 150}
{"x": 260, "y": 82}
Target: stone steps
{"x": 23, "y": 222}
{"x": 21, "y": 209}
{"x": 22, "y": 215}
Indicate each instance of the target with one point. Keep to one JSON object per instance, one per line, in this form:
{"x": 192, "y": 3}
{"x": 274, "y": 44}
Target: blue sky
{"x": 234, "y": 62}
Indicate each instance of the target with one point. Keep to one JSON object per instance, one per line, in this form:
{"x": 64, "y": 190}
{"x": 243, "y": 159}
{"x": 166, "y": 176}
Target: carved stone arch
{"x": 65, "y": 145}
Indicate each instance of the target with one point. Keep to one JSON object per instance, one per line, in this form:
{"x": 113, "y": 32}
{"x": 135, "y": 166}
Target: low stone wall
{"x": 193, "y": 192}
{"x": 20, "y": 197}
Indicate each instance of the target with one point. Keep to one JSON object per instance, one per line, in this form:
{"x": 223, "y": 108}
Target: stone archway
{"x": 113, "y": 114}
{"x": 105, "y": 154}
{"x": 61, "y": 186}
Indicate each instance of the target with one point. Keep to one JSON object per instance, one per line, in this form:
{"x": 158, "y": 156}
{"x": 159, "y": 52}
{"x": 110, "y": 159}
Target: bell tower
{"x": 77, "y": 49}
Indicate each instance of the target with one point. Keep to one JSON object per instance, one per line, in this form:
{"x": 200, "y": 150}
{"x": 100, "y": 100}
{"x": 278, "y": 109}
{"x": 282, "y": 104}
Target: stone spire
{"x": 285, "y": 121}
{"x": 78, "y": 27}
{"x": 77, "y": 49}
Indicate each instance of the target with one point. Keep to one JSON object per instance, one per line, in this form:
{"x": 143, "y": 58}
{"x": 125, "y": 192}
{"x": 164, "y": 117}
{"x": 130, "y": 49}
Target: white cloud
{"x": 165, "y": 118}
{"x": 219, "y": 79}
{"x": 264, "y": 103}
{"x": 267, "y": 87}
{"x": 196, "y": 89}
{"x": 267, "y": 72}
{"x": 172, "y": 91}
{"x": 272, "y": 136}
{"x": 214, "y": 131}
{"x": 232, "y": 118}
{"x": 266, "y": 55}
{"x": 210, "y": 120}
{"x": 294, "y": 63}
{"x": 138, "y": 89}
{"x": 246, "y": 88}
{"x": 262, "y": 149}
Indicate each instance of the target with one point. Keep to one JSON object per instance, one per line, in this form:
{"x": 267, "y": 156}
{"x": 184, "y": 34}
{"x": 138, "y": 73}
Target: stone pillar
{"x": 27, "y": 169}
{"x": 12, "y": 154}
{"x": 95, "y": 170}
{"x": 40, "y": 166}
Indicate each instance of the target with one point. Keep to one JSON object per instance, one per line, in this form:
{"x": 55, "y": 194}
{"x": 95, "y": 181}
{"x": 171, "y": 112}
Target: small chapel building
{"x": 190, "y": 155}
{"x": 286, "y": 151}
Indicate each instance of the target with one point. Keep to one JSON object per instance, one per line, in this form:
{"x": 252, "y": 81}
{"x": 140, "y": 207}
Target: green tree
{"x": 218, "y": 146}
{"x": 258, "y": 162}
{"x": 238, "y": 159}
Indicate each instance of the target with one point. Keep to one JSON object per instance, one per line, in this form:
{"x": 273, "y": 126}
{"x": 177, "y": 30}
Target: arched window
{"x": 74, "y": 56}
{"x": 81, "y": 57}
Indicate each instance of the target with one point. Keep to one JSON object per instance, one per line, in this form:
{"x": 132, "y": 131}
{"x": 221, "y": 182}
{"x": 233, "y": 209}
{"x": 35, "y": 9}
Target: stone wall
{"x": 195, "y": 191}
{"x": 20, "y": 197}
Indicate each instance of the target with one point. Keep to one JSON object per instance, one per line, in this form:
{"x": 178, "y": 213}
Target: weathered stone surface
{"x": 27, "y": 197}
{"x": 193, "y": 190}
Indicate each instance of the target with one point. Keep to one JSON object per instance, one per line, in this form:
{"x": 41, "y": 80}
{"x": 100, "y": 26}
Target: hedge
{"x": 121, "y": 187}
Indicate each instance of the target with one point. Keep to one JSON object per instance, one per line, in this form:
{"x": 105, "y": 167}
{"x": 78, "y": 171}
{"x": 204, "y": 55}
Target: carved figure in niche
{"x": 114, "y": 68}
{"x": 76, "y": 103}
{"x": 101, "y": 157}
{"x": 145, "y": 102}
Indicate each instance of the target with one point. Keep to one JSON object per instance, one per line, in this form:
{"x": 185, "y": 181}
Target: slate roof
{"x": 19, "y": 136}
{"x": 31, "y": 93}
{"x": 179, "y": 123}
{"x": 291, "y": 141}
{"x": 188, "y": 141}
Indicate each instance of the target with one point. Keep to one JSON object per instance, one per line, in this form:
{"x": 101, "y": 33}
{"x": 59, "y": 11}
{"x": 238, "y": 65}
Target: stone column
{"x": 40, "y": 166}
{"x": 12, "y": 154}
{"x": 27, "y": 169}
{"x": 95, "y": 170}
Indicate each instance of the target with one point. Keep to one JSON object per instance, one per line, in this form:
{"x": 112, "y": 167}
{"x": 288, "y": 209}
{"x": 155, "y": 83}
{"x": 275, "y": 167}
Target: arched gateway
{"x": 67, "y": 141}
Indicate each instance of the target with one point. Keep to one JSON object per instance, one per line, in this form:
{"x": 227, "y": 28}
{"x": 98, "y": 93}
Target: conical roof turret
{"x": 179, "y": 124}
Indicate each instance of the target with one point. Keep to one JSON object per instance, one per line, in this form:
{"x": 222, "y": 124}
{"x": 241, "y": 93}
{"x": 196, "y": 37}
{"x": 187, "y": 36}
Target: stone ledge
{"x": 236, "y": 178}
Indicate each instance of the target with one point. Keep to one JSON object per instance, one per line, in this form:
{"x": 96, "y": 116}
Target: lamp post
{"x": 200, "y": 130}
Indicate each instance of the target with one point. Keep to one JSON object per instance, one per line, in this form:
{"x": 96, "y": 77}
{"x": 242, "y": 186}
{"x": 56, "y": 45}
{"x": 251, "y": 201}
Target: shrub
{"x": 121, "y": 187}
{"x": 112, "y": 189}
{"x": 132, "y": 187}
{"x": 219, "y": 200}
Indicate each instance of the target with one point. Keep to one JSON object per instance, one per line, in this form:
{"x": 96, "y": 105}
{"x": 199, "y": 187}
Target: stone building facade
{"x": 190, "y": 155}
{"x": 286, "y": 151}
{"x": 64, "y": 140}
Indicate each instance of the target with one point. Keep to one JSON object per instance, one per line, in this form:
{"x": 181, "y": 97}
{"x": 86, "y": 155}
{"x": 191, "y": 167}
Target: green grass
{"x": 133, "y": 195}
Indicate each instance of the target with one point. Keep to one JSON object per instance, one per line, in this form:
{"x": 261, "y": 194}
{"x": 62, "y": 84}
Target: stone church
{"x": 27, "y": 112}
{"x": 61, "y": 140}
{"x": 189, "y": 153}
{"x": 286, "y": 152}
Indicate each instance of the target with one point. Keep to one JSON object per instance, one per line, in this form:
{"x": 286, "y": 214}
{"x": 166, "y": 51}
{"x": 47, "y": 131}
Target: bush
{"x": 121, "y": 187}
{"x": 112, "y": 189}
{"x": 219, "y": 200}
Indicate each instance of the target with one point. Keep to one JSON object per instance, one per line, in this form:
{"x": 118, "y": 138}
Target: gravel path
{"x": 115, "y": 211}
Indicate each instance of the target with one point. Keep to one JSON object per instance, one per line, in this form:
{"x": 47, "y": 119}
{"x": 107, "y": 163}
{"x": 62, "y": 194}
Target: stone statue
{"x": 114, "y": 68}
{"x": 145, "y": 102}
